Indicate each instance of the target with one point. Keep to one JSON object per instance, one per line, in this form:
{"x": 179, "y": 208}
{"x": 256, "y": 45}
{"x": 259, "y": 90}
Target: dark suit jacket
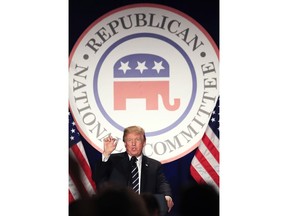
{"x": 117, "y": 171}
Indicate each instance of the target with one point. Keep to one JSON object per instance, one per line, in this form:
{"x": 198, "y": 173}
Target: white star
{"x": 141, "y": 66}
{"x": 212, "y": 119}
{"x": 71, "y": 138}
{"x": 73, "y": 123}
{"x": 124, "y": 67}
{"x": 158, "y": 66}
{"x": 72, "y": 130}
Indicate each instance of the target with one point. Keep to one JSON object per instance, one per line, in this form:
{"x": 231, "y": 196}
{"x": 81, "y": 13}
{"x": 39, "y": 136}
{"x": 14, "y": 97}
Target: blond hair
{"x": 134, "y": 129}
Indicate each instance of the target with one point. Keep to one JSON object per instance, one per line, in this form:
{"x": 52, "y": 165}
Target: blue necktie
{"x": 134, "y": 175}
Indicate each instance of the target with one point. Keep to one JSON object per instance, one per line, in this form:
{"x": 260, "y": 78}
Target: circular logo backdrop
{"x": 147, "y": 65}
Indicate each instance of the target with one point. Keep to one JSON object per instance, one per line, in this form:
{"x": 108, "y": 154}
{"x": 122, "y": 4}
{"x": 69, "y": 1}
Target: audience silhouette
{"x": 199, "y": 200}
{"x": 195, "y": 199}
{"x": 151, "y": 203}
{"x": 110, "y": 201}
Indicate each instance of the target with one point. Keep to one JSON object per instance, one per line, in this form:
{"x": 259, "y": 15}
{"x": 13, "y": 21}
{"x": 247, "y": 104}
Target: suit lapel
{"x": 144, "y": 173}
{"x": 126, "y": 166}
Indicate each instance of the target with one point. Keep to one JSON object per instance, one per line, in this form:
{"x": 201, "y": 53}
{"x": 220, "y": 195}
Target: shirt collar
{"x": 139, "y": 158}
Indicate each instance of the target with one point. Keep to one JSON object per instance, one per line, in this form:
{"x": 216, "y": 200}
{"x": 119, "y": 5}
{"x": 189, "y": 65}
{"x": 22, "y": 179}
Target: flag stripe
{"x": 79, "y": 152}
{"x": 209, "y": 157}
{"x": 207, "y": 166}
{"x": 200, "y": 174}
{"x": 79, "y": 185}
{"x": 196, "y": 175}
{"x": 73, "y": 191}
{"x": 71, "y": 198}
{"x": 87, "y": 183}
{"x": 211, "y": 147}
{"x": 205, "y": 163}
{"x": 213, "y": 138}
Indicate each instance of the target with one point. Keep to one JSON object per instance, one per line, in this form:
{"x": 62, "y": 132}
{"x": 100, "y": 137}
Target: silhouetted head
{"x": 119, "y": 201}
{"x": 199, "y": 200}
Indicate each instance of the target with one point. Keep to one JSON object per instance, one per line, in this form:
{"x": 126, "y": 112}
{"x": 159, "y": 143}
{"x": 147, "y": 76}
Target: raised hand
{"x": 110, "y": 144}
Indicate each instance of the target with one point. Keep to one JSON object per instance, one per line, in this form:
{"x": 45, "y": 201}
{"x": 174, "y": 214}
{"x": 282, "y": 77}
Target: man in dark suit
{"x": 116, "y": 168}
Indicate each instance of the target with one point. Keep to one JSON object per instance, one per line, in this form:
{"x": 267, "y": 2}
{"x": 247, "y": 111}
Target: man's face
{"x": 134, "y": 144}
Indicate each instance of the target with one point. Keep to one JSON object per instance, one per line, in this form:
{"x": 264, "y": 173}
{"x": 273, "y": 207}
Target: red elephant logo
{"x": 149, "y": 90}
{"x": 142, "y": 66}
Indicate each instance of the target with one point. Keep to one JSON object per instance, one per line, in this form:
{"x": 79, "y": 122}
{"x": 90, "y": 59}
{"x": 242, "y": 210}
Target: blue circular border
{"x": 172, "y": 43}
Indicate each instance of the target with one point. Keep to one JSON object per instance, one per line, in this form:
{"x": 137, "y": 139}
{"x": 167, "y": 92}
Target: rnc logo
{"x": 147, "y": 65}
{"x": 142, "y": 65}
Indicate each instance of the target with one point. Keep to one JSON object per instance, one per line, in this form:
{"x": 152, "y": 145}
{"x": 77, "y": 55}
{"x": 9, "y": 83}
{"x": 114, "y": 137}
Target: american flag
{"x": 204, "y": 166}
{"x": 81, "y": 184}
